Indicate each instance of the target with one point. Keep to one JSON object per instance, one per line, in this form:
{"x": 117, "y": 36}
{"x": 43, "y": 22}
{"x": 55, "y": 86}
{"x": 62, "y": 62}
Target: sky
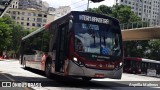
{"x": 77, "y": 5}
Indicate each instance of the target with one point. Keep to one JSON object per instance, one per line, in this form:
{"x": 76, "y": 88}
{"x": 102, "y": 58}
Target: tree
{"x": 136, "y": 48}
{"x": 154, "y": 50}
{"x": 101, "y": 10}
{"x": 124, "y": 14}
{"x": 5, "y": 36}
{"x": 120, "y": 12}
{"x": 14, "y": 35}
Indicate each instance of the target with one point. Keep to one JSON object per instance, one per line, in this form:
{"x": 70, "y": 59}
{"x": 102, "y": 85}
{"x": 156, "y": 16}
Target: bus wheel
{"x": 86, "y": 78}
{"x": 48, "y": 69}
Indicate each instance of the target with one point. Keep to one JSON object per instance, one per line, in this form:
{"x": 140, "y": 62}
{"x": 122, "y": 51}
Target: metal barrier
{"x": 134, "y": 25}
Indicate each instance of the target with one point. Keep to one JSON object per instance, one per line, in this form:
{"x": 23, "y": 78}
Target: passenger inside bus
{"x": 80, "y": 46}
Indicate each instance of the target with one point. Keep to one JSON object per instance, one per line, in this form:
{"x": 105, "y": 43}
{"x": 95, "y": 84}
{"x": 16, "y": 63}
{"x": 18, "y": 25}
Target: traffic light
{"x": 96, "y": 1}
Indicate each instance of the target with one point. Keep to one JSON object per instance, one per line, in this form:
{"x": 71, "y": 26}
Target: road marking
{"x": 7, "y": 77}
{"x": 26, "y": 88}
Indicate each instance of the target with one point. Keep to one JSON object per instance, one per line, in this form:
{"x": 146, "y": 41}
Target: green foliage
{"x": 10, "y": 35}
{"x": 154, "y": 51}
{"x": 124, "y": 14}
{"x": 121, "y": 12}
{"x": 101, "y": 10}
{"x": 5, "y": 36}
{"x": 136, "y": 48}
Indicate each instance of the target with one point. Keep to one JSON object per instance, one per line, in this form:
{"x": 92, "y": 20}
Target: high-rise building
{"x": 36, "y": 4}
{"x": 15, "y": 4}
{"x": 59, "y": 12}
{"x": 45, "y": 6}
{"x": 147, "y": 10}
{"x": 35, "y": 13}
{"x": 30, "y": 18}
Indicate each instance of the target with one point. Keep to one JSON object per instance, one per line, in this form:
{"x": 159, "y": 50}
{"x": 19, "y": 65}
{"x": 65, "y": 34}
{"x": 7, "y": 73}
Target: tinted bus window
{"x": 127, "y": 64}
{"x": 38, "y": 42}
{"x": 97, "y": 38}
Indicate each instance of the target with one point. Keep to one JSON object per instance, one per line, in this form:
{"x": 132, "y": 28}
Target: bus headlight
{"x": 120, "y": 64}
{"x": 76, "y": 61}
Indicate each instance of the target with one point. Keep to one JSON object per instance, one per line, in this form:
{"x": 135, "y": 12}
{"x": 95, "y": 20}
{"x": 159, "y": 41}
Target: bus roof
{"x": 63, "y": 19}
{"x": 92, "y": 13}
{"x": 34, "y": 32}
{"x": 133, "y": 58}
{"x": 141, "y": 59}
{"x": 150, "y": 60}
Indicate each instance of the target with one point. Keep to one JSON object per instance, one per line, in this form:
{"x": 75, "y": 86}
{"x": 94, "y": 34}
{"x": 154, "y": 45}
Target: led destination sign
{"x": 93, "y": 19}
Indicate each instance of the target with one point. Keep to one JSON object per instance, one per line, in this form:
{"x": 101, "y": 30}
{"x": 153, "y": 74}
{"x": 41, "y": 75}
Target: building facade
{"x": 59, "y": 12}
{"x": 36, "y": 4}
{"x": 15, "y": 4}
{"x": 147, "y": 10}
{"x": 45, "y": 6}
{"x": 33, "y": 14}
{"x": 31, "y": 19}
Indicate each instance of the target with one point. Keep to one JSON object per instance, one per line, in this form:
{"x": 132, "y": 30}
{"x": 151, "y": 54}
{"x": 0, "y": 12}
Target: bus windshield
{"x": 97, "y": 38}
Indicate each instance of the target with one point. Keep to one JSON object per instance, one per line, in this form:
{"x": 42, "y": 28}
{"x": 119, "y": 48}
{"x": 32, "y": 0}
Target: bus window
{"x": 28, "y": 47}
{"x": 45, "y": 41}
{"x": 127, "y": 64}
{"x": 143, "y": 65}
{"x": 152, "y": 66}
{"x": 138, "y": 64}
{"x": 149, "y": 65}
{"x": 133, "y": 64}
{"x": 97, "y": 38}
{"x": 146, "y": 65}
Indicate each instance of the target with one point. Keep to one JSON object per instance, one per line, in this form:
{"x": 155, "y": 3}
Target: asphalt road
{"x": 12, "y": 72}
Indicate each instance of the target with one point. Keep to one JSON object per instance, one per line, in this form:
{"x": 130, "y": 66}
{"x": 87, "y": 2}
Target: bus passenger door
{"x": 61, "y": 47}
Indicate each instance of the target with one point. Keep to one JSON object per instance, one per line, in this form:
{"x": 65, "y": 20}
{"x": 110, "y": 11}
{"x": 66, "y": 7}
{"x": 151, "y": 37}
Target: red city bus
{"x": 132, "y": 65}
{"x": 79, "y": 44}
{"x": 141, "y": 66}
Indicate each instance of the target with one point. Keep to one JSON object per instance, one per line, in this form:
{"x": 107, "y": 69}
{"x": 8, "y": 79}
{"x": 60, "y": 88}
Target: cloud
{"x": 78, "y": 5}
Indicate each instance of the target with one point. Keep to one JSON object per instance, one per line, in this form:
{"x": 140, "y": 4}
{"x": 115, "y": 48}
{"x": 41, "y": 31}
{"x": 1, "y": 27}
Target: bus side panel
{"x": 31, "y": 62}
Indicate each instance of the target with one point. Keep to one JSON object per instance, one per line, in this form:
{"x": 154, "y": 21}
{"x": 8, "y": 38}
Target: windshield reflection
{"x": 98, "y": 39}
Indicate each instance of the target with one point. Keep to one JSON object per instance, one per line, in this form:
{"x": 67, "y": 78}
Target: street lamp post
{"x": 88, "y": 5}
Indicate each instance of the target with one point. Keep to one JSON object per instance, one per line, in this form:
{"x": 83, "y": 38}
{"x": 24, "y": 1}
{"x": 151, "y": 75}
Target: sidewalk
{"x": 1, "y": 59}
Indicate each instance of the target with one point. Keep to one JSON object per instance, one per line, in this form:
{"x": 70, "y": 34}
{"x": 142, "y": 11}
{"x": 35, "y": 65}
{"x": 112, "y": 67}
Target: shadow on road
{"x": 61, "y": 81}
{"x": 69, "y": 82}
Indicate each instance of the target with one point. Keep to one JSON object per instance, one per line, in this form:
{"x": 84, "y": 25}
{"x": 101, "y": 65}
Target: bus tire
{"x": 86, "y": 78}
{"x": 48, "y": 69}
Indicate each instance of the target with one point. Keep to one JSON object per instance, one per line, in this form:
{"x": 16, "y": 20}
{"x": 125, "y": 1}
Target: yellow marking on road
{"x": 26, "y": 88}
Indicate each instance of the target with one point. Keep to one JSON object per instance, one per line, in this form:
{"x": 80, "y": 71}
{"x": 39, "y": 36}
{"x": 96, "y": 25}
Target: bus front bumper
{"x": 75, "y": 70}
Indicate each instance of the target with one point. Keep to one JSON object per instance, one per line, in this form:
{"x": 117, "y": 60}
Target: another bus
{"x": 79, "y": 44}
{"x": 141, "y": 66}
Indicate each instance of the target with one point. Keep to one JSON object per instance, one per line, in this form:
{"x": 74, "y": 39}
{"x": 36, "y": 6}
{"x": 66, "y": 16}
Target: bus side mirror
{"x": 70, "y": 24}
